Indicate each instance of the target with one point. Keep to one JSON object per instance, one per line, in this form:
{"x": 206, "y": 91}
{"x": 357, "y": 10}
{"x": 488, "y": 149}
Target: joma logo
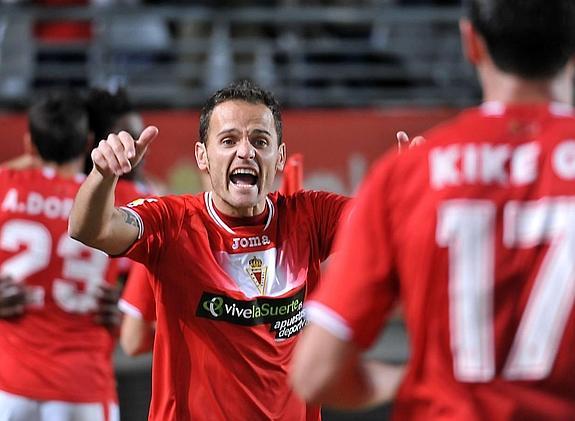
{"x": 249, "y": 242}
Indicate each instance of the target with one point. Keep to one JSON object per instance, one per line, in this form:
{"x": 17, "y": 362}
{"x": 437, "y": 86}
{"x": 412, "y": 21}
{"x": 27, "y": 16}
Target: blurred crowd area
{"x": 312, "y": 53}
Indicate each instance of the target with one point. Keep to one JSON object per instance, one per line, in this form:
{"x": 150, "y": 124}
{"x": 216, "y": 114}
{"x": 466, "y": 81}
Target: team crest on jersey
{"x": 139, "y": 202}
{"x": 258, "y": 273}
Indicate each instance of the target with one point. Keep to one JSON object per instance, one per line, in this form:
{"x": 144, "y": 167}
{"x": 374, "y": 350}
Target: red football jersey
{"x": 55, "y": 351}
{"x": 229, "y": 301}
{"x": 475, "y": 231}
{"x": 138, "y": 297}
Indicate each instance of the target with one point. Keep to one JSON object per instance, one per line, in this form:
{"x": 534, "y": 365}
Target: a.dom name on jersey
{"x": 36, "y": 204}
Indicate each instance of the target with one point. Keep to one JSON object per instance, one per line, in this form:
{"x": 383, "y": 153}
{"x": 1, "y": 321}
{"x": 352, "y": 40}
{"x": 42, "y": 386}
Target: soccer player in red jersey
{"x": 137, "y": 301}
{"x": 475, "y": 232}
{"x": 230, "y": 267}
{"x": 55, "y": 358}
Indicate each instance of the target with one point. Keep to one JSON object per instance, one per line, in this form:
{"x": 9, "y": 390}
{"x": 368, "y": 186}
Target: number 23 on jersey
{"x": 82, "y": 268}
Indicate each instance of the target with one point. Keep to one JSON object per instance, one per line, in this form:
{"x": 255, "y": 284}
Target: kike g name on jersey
{"x": 503, "y": 164}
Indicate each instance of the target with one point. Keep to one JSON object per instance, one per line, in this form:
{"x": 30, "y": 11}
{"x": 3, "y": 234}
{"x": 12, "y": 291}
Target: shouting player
{"x": 137, "y": 301}
{"x": 475, "y": 231}
{"x": 230, "y": 268}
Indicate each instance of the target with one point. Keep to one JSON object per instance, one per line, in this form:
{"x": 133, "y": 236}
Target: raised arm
{"x": 94, "y": 220}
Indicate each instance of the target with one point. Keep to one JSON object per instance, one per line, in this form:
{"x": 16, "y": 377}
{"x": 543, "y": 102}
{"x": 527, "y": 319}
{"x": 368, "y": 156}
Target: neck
{"x": 66, "y": 170}
{"x": 238, "y": 212}
{"x": 512, "y": 89}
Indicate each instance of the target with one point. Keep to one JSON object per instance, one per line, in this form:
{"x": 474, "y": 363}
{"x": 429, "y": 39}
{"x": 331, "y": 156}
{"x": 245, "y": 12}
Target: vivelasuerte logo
{"x": 285, "y": 315}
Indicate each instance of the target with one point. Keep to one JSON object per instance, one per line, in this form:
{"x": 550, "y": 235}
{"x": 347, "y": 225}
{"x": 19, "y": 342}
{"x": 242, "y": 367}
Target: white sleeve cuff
{"x": 325, "y": 317}
{"x": 138, "y": 218}
{"x": 129, "y": 309}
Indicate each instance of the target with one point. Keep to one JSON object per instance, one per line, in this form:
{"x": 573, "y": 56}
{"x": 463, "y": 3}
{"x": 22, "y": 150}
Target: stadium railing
{"x": 175, "y": 56}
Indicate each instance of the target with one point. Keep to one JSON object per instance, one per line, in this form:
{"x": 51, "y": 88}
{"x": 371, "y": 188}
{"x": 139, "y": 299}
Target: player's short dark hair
{"x": 241, "y": 91}
{"x": 58, "y": 125}
{"x": 533, "y": 39}
{"x": 105, "y": 109}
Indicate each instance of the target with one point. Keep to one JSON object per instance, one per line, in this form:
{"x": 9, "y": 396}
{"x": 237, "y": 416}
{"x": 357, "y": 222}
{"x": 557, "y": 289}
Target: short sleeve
{"x": 160, "y": 220}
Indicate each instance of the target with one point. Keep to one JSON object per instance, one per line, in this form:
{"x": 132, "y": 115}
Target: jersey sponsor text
{"x": 250, "y": 242}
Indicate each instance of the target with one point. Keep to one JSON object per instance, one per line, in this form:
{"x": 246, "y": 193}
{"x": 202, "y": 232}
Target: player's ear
{"x": 29, "y": 147}
{"x": 281, "y": 161}
{"x": 473, "y": 44}
{"x": 202, "y": 156}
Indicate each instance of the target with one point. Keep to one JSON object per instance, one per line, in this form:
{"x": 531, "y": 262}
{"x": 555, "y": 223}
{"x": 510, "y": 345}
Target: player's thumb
{"x": 145, "y": 139}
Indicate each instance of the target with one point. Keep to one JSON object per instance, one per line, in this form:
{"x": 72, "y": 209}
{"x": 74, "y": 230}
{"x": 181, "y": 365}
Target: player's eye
{"x": 260, "y": 142}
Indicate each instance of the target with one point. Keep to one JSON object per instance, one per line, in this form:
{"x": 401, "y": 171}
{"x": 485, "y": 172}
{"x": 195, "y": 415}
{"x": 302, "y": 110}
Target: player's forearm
{"x": 136, "y": 336}
{"x": 93, "y": 209}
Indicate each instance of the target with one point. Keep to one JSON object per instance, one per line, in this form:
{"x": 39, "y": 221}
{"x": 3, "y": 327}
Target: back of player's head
{"x": 58, "y": 126}
{"x": 241, "y": 91}
{"x": 109, "y": 113}
{"x": 105, "y": 109}
{"x": 533, "y": 39}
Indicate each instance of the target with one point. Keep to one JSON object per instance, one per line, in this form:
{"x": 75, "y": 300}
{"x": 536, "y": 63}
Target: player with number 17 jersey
{"x": 475, "y": 230}
{"x": 234, "y": 289}
{"x": 55, "y": 351}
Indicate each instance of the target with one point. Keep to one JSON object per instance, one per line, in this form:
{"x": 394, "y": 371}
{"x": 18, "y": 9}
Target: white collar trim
{"x": 497, "y": 108}
{"x": 214, "y": 215}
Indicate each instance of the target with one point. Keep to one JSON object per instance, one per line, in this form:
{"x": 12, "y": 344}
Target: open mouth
{"x": 244, "y": 177}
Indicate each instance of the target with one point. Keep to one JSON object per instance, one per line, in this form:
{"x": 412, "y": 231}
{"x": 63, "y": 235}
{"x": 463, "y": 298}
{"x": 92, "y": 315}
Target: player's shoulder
{"x": 19, "y": 174}
{"x": 466, "y": 122}
{"x": 306, "y": 197}
{"x": 171, "y": 201}
{"x": 562, "y": 118}
{"x": 40, "y": 178}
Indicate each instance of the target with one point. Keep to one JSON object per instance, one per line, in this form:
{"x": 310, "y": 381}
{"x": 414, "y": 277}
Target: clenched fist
{"x": 119, "y": 153}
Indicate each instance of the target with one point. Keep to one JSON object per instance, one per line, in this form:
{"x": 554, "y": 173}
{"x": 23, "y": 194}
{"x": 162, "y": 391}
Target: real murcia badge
{"x": 258, "y": 274}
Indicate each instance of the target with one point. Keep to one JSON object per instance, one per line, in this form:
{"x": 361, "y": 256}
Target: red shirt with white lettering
{"x": 229, "y": 295}
{"x": 475, "y": 232}
{"x": 55, "y": 351}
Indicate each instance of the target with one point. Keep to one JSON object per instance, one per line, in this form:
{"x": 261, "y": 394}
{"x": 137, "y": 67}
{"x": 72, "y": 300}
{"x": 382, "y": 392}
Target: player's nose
{"x": 245, "y": 149}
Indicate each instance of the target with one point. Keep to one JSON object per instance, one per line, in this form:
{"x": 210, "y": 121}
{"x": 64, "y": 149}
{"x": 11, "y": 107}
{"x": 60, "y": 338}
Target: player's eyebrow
{"x": 261, "y": 131}
{"x": 227, "y": 131}
{"x": 253, "y": 131}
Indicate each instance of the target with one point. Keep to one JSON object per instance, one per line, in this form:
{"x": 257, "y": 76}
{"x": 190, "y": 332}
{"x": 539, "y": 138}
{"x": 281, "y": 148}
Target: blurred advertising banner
{"x": 338, "y": 146}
